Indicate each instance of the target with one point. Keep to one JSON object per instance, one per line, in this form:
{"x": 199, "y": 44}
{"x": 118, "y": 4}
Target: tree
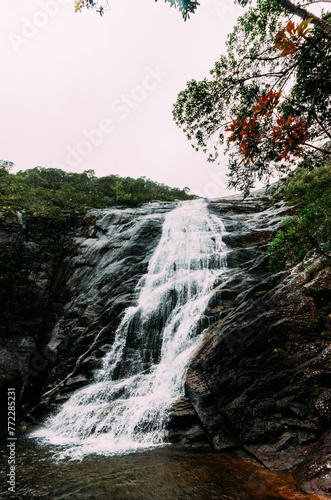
{"x": 6, "y": 165}
{"x": 268, "y": 98}
{"x": 186, "y": 7}
{"x": 53, "y": 192}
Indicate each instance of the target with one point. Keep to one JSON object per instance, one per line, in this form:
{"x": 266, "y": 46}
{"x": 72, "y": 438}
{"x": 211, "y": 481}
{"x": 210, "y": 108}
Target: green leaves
{"x": 204, "y": 110}
{"x": 197, "y": 113}
{"x": 240, "y": 97}
{"x": 186, "y": 7}
{"x": 311, "y": 228}
{"x": 50, "y": 191}
{"x": 100, "y": 6}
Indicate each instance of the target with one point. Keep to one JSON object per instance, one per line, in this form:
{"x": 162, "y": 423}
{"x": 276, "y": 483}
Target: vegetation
{"x": 51, "y": 191}
{"x": 186, "y": 7}
{"x": 310, "y": 229}
{"x": 268, "y": 99}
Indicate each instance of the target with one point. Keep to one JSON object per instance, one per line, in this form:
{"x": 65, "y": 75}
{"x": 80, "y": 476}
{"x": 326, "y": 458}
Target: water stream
{"x": 95, "y": 434}
{"x": 126, "y": 407}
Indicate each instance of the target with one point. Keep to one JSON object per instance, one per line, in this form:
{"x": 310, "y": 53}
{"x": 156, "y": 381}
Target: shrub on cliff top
{"x": 310, "y": 229}
{"x": 52, "y": 192}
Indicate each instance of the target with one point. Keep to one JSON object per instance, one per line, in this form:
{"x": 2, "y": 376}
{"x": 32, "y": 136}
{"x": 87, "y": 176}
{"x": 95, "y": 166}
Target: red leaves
{"x": 236, "y": 127}
{"x": 288, "y": 39}
{"x": 292, "y": 132}
{"x": 267, "y": 103}
{"x": 248, "y": 132}
{"x": 253, "y": 133}
{"x": 285, "y": 40}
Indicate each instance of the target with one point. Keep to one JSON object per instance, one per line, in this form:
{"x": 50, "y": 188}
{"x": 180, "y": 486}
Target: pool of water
{"x": 172, "y": 472}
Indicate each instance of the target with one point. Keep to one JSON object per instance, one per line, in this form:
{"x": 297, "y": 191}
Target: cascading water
{"x": 126, "y": 406}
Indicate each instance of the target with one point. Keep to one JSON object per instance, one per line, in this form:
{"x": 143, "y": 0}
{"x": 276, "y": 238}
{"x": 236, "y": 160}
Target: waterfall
{"x": 125, "y": 408}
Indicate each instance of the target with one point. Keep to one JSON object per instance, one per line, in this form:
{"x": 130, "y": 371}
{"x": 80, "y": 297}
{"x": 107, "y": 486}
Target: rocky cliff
{"x": 260, "y": 382}
{"x": 32, "y": 250}
{"x": 53, "y": 334}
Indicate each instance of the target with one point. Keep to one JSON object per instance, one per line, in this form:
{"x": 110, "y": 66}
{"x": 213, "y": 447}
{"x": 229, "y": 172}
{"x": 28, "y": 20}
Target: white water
{"x": 126, "y": 407}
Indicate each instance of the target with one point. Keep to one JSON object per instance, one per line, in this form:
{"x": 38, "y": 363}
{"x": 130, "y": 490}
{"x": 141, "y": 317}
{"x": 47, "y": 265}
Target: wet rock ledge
{"x": 260, "y": 382}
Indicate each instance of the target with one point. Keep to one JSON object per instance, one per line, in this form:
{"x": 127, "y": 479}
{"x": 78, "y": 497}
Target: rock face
{"x": 31, "y": 253}
{"x": 53, "y": 333}
{"x": 97, "y": 283}
{"x": 261, "y": 379}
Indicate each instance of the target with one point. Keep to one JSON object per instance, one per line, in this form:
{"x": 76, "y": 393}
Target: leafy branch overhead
{"x": 186, "y": 7}
{"x": 288, "y": 39}
{"x": 268, "y": 98}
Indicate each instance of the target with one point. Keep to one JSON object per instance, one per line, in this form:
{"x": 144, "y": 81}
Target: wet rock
{"x": 74, "y": 383}
{"x": 109, "y": 256}
{"x": 314, "y": 473}
{"x": 260, "y": 380}
{"x": 184, "y": 424}
{"x": 31, "y": 253}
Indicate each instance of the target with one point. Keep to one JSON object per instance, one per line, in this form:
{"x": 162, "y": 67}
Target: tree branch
{"x": 324, "y": 151}
{"x": 321, "y": 24}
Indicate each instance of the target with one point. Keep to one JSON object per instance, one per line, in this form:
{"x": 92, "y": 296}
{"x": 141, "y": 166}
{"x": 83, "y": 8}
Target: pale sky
{"x": 83, "y": 92}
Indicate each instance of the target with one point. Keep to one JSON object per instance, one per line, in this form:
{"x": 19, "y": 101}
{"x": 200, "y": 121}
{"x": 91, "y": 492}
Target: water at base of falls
{"x": 168, "y": 473}
{"x": 126, "y": 406}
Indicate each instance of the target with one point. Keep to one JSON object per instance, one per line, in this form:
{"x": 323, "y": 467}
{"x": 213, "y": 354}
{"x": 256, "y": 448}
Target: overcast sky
{"x": 83, "y": 92}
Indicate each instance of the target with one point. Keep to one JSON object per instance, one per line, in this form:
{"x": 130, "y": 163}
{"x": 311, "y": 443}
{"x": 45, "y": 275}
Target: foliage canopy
{"x": 51, "y": 191}
{"x": 186, "y": 7}
{"x": 268, "y": 99}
